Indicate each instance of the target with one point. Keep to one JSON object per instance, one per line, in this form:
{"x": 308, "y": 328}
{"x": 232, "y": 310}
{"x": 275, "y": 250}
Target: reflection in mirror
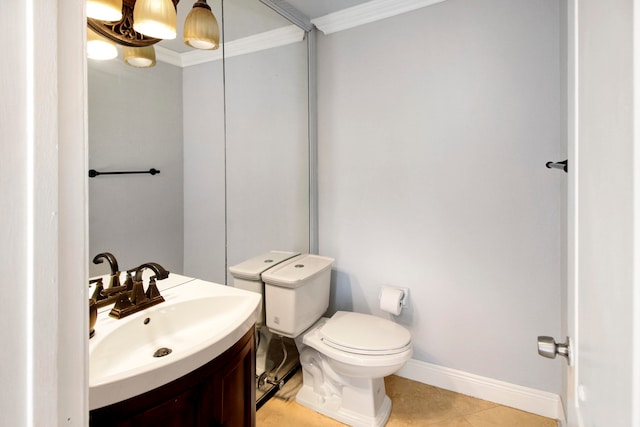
{"x": 267, "y": 137}
{"x": 267, "y": 158}
{"x": 135, "y": 123}
{"x": 219, "y": 198}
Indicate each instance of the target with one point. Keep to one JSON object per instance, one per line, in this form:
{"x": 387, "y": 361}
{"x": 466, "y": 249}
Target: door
{"x": 603, "y": 381}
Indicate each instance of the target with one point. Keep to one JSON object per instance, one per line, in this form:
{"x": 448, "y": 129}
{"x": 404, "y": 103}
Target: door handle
{"x": 547, "y": 347}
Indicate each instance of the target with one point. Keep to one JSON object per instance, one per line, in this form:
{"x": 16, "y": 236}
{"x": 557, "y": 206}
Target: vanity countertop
{"x": 198, "y": 321}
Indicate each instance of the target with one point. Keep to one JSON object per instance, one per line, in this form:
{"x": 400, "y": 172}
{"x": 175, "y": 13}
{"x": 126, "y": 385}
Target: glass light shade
{"x": 155, "y": 18}
{"x": 141, "y": 57}
{"x": 201, "y": 28}
{"x": 100, "y": 48}
{"x": 105, "y": 10}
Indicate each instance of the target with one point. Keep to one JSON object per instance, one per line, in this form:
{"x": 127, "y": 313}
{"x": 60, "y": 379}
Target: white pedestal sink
{"x": 197, "y": 322}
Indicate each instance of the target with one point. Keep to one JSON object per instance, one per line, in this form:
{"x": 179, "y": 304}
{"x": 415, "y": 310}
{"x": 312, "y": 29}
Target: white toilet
{"x": 344, "y": 358}
{"x": 248, "y": 276}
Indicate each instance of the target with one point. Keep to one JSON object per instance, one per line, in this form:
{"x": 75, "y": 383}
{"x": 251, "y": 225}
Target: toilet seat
{"x": 313, "y": 338}
{"x": 364, "y": 334}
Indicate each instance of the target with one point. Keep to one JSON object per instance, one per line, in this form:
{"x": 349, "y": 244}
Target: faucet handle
{"x": 128, "y": 282}
{"x": 137, "y": 293}
{"x": 114, "y": 280}
{"x": 152, "y": 289}
{"x": 97, "y": 293}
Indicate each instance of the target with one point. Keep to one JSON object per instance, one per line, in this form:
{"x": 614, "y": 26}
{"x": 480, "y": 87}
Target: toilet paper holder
{"x": 405, "y": 294}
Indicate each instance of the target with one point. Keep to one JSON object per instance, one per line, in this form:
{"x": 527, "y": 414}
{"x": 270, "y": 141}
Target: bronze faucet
{"x": 133, "y": 298}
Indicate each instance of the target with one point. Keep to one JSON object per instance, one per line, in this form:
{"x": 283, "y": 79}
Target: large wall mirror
{"x": 229, "y": 135}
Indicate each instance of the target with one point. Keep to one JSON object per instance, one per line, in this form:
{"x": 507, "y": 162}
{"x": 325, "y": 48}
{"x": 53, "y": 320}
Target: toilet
{"x": 247, "y": 275}
{"x": 344, "y": 358}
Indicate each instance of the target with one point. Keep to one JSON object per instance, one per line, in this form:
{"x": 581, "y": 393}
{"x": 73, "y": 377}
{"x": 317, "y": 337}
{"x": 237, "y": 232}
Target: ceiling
{"x": 316, "y": 8}
{"x": 248, "y": 17}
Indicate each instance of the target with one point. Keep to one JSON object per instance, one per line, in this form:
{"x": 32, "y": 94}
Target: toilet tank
{"x": 247, "y": 275}
{"x": 297, "y": 293}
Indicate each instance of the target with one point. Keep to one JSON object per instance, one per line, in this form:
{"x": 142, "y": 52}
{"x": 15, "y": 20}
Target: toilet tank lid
{"x": 296, "y": 271}
{"x": 364, "y": 333}
{"x": 251, "y": 269}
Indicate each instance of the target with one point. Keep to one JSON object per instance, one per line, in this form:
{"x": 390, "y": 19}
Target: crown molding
{"x": 195, "y": 57}
{"x": 368, "y": 12}
{"x": 167, "y": 55}
{"x": 365, "y": 13}
{"x": 267, "y": 40}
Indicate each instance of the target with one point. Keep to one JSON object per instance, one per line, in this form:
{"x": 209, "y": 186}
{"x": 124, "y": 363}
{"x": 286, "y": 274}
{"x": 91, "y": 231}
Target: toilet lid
{"x": 364, "y": 334}
{"x": 251, "y": 269}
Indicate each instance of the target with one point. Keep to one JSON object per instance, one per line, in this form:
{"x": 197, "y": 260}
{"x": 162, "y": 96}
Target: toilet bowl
{"x": 344, "y": 358}
{"x": 346, "y": 381}
{"x": 360, "y": 345}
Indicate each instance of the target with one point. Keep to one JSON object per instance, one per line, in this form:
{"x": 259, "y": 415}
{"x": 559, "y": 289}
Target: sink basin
{"x": 197, "y": 322}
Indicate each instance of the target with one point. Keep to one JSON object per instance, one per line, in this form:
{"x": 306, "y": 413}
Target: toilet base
{"x": 332, "y": 407}
{"x": 343, "y": 386}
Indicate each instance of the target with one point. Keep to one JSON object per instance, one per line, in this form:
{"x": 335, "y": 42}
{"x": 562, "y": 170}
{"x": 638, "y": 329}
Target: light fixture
{"x": 140, "y": 57}
{"x": 146, "y": 22}
{"x": 201, "y": 27}
{"x": 155, "y": 18}
{"x": 100, "y": 48}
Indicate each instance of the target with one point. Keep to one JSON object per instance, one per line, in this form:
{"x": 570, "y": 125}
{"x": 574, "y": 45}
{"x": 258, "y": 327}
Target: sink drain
{"x": 162, "y": 351}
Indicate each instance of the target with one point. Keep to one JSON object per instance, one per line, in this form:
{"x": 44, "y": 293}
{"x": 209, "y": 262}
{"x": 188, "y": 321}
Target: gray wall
{"x": 267, "y": 152}
{"x": 204, "y": 172}
{"x": 135, "y": 123}
{"x": 265, "y": 159}
{"x": 185, "y": 218}
{"x": 434, "y": 129}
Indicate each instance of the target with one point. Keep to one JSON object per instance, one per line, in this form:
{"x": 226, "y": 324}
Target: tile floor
{"x": 414, "y": 404}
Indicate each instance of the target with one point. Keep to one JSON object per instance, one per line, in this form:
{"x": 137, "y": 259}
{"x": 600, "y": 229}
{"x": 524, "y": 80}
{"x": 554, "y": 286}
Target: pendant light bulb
{"x": 155, "y": 18}
{"x": 105, "y": 10}
{"x": 139, "y": 57}
{"x": 201, "y": 29}
{"x": 99, "y": 47}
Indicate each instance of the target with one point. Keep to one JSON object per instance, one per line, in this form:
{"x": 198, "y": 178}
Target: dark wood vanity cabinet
{"x": 220, "y": 393}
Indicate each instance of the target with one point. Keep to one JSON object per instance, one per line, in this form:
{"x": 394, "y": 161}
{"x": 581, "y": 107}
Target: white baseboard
{"x": 526, "y": 399}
